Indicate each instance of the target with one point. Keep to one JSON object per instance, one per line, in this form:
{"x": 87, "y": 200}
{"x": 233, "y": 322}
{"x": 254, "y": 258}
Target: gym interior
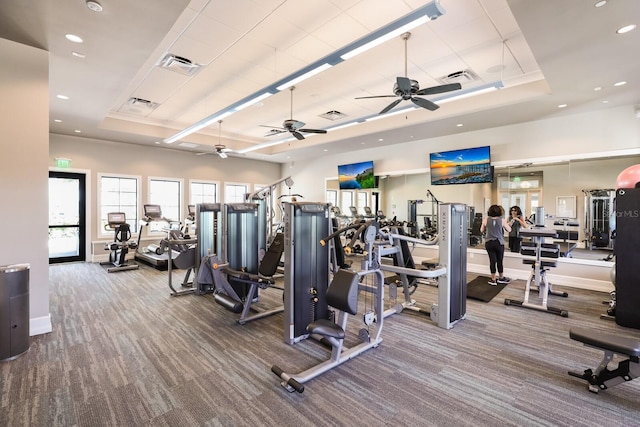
{"x": 157, "y": 308}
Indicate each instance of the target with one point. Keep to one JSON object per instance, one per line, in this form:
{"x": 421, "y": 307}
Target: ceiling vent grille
{"x": 179, "y": 64}
{"x": 138, "y": 106}
{"x": 333, "y": 115}
{"x": 464, "y": 76}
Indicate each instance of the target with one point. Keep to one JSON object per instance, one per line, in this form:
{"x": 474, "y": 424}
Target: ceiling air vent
{"x": 138, "y": 106}
{"x": 179, "y": 64}
{"x": 464, "y": 76}
{"x": 333, "y": 115}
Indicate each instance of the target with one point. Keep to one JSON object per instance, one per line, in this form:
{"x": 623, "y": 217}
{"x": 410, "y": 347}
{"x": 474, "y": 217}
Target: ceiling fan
{"x": 219, "y": 149}
{"x": 407, "y": 89}
{"x": 295, "y": 127}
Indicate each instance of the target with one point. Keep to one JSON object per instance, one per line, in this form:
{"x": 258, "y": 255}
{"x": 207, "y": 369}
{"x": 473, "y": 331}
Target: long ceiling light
{"x": 428, "y": 12}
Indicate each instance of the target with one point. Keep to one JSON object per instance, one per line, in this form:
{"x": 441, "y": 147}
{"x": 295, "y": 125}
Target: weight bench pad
{"x": 605, "y": 341}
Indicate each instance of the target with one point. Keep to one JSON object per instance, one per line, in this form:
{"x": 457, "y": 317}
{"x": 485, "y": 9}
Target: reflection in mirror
{"x": 551, "y": 185}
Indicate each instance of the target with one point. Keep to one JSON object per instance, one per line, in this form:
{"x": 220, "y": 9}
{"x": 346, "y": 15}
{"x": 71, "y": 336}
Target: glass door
{"x": 67, "y": 228}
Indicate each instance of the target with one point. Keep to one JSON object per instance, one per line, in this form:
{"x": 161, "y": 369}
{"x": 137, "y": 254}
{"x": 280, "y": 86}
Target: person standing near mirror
{"x": 517, "y": 222}
{"x": 494, "y": 224}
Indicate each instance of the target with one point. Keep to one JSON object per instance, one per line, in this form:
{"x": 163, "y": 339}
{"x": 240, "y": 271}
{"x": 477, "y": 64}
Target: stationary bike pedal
{"x": 364, "y": 336}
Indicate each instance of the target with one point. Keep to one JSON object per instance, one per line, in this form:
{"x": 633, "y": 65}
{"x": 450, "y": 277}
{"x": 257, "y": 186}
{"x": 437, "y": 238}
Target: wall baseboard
{"x": 40, "y": 325}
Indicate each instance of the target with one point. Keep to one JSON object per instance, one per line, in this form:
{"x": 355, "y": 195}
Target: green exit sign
{"x": 63, "y": 163}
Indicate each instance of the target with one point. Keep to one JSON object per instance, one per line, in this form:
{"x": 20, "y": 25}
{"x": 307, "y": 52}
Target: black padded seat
{"x": 326, "y": 328}
{"x": 543, "y": 264}
{"x": 606, "y": 341}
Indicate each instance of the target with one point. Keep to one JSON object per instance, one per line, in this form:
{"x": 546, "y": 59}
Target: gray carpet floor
{"x": 123, "y": 352}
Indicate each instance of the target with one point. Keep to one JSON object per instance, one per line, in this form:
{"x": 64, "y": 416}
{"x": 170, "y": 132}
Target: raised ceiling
{"x": 546, "y": 52}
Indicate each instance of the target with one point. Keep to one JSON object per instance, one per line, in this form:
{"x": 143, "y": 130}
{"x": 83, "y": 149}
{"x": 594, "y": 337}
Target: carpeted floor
{"x": 125, "y": 353}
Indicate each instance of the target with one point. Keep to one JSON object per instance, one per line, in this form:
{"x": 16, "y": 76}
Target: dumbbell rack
{"x": 541, "y": 255}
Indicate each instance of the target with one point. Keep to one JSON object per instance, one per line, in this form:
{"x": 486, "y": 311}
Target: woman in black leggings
{"x": 494, "y": 225}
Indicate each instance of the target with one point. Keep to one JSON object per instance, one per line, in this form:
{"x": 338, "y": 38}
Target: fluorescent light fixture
{"x": 466, "y": 93}
{"x": 264, "y": 145}
{"x": 420, "y": 16}
{"x": 197, "y": 126}
{"x": 428, "y": 12}
{"x": 253, "y": 101}
{"x": 304, "y": 76}
{"x": 342, "y": 126}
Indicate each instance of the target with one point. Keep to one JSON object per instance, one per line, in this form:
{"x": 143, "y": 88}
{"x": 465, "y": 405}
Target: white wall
{"x": 24, "y": 120}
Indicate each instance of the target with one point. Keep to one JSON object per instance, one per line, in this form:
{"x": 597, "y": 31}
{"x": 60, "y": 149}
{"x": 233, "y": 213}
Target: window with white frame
{"x": 118, "y": 193}
{"x": 332, "y": 197}
{"x": 363, "y": 200}
{"x": 235, "y": 192}
{"x": 347, "y": 202}
{"x": 203, "y": 192}
{"x": 167, "y": 193}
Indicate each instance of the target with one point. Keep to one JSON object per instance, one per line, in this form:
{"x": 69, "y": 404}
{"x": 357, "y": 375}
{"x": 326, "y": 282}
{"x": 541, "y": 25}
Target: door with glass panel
{"x": 67, "y": 224}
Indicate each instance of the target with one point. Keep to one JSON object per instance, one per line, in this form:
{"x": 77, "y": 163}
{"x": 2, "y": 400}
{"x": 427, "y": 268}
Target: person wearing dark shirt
{"x": 494, "y": 225}
{"x": 517, "y": 222}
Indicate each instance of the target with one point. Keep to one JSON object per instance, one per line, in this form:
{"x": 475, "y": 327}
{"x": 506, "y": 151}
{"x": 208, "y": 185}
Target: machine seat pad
{"x": 431, "y": 263}
{"x": 606, "y": 341}
{"x": 326, "y": 328}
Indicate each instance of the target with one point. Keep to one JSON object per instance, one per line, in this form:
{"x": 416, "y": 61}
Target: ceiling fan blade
{"x": 297, "y": 134}
{"x": 404, "y": 84}
{"x": 275, "y": 132}
{"x": 271, "y": 127}
{"x": 312, "y": 130}
{"x": 425, "y": 103}
{"x": 376, "y": 96}
{"x": 439, "y": 89}
{"x": 390, "y": 106}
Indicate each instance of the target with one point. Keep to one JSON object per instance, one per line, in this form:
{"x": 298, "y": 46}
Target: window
{"x": 363, "y": 200}
{"x": 235, "y": 193}
{"x": 165, "y": 192}
{"x": 332, "y": 197}
{"x": 203, "y": 192}
{"x": 118, "y": 193}
{"x": 347, "y": 202}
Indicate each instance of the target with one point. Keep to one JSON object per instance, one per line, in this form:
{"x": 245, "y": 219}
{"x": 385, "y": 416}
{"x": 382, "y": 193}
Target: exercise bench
{"x": 611, "y": 344}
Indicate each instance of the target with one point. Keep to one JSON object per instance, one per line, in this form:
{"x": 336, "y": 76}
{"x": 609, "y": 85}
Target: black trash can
{"x": 14, "y": 311}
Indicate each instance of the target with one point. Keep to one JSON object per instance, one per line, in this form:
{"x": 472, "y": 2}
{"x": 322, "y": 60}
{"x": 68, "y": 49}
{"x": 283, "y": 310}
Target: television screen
{"x": 356, "y": 176}
{"x": 467, "y": 166}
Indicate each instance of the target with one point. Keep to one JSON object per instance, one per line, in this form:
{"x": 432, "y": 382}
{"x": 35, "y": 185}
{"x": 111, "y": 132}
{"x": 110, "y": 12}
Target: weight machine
{"x": 598, "y": 207}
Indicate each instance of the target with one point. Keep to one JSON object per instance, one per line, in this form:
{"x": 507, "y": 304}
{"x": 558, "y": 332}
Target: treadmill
{"x": 155, "y": 255}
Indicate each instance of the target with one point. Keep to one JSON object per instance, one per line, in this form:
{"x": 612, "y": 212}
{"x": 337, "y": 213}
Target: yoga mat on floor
{"x": 480, "y": 289}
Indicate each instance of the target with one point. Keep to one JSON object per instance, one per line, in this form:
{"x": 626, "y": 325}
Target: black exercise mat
{"x": 480, "y": 289}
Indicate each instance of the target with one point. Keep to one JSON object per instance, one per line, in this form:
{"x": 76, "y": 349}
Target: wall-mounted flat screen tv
{"x": 466, "y": 166}
{"x": 356, "y": 176}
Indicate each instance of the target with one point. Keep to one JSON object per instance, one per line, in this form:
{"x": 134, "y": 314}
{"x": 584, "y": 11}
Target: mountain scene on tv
{"x": 466, "y": 166}
{"x": 356, "y": 176}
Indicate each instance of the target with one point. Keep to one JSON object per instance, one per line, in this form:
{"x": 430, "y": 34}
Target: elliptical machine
{"x": 121, "y": 244}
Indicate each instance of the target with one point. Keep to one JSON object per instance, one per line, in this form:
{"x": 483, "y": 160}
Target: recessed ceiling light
{"x": 94, "y": 5}
{"x": 600, "y": 3}
{"x": 459, "y": 125}
{"x": 626, "y": 29}
{"x": 605, "y": 102}
{"x": 562, "y": 105}
{"x": 74, "y": 38}
{"x": 62, "y": 97}
{"x": 157, "y": 142}
{"x": 622, "y": 83}
{"x": 362, "y": 143}
{"x": 78, "y": 54}
{"x": 597, "y": 88}
{"x": 380, "y": 139}
{"x": 325, "y": 150}
{"x": 57, "y": 120}
{"x": 77, "y": 131}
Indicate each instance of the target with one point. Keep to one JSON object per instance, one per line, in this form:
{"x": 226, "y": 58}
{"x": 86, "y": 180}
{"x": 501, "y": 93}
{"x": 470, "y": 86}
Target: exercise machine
{"x": 154, "y": 255}
{"x": 567, "y": 236}
{"x": 602, "y": 377}
{"x": 627, "y": 253}
{"x": 342, "y": 295}
{"x": 209, "y": 233}
{"x": 240, "y": 276}
{"x": 598, "y": 205}
{"x": 541, "y": 256}
{"x": 119, "y": 248}
{"x": 450, "y": 271}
